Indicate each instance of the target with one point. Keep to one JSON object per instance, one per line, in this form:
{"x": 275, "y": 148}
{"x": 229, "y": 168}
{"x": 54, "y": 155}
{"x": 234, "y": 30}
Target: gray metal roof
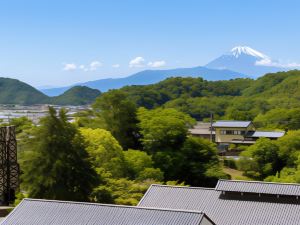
{"x": 222, "y": 210}
{"x": 232, "y": 123}
{"x": 258, "y": 187}
{"x": 268, "y": 134}
{"x": 201, "y": 128}
{"x": 201, "y": 131}
{"x": 46, "y": 212}
{"x": 202, "y": 125}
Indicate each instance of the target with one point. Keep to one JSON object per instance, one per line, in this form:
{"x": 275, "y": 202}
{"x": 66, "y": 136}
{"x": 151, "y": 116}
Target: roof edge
{"x": 177, "y": 186}
{"x": 255, "y": 181}
{"x": 112, "y": 205}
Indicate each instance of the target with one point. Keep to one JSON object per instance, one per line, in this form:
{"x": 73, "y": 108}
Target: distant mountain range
{"x": 13, "y": 91}
{"x": 240, "y": 62}
{"x": 150, "y": 77}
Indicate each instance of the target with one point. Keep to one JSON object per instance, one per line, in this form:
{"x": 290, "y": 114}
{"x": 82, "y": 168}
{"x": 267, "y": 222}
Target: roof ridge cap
{"x": 178, "y": 186}
{"x": 113, "y": 205}
{"x": 258, "y": 181}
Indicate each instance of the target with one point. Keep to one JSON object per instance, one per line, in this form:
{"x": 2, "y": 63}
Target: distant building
{"x": 241, "y": 132}
{"x": 50, "y": 212}
{"x": 232, "y": 202}
{"x": 229, "y": 132}
{"x": 203, "y": 130}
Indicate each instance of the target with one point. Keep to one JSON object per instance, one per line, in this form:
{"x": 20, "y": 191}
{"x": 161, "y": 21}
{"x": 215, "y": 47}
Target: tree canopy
{"x": 118, "y": 114}
{"x": 55, "y": 165}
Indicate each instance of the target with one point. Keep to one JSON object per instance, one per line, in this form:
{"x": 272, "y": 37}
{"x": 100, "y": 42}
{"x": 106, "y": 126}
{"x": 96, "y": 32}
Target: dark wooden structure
{"x": 9, "y": 168}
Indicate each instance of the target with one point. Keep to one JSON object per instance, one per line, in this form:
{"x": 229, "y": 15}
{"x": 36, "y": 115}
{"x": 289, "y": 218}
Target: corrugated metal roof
{"x": 268, "y": 134}
{"x": 47, "y": 212}
{"x": 201, "y": 131}
{"x": 231, "y": 123}
{"x": 224, "y": 211}
{"x": 202, "y": 125}
{"x": 258, "y": 187}
{"x": 201, "y": 128}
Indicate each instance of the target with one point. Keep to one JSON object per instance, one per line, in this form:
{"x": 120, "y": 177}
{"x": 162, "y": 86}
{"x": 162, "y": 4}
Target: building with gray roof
{"x": 225, "y": 132}
{"x": 49, "y": 212}
{"x": 232, "y": 202}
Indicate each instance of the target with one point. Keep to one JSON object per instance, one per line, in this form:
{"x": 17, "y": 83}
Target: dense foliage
{"x": 55, "y": 164}
{"x": 262, "y": 100}
{"x": 139, "y": 135}
{"x": 118, "y": 114}
{"x": 165, "y": 136}
{"x": 273, "y": 160}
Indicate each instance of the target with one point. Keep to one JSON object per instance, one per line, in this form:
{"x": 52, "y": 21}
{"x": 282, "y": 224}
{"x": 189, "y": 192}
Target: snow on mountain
{"x": 239, "y": 50}
{"x": 246, "y": 60}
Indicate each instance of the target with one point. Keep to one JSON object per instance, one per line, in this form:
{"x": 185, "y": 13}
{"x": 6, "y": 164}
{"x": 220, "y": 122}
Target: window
{"x": 232, "y": 132}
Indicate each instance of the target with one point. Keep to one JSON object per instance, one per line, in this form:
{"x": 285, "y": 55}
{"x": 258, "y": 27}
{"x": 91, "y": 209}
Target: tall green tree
{"x": 261, "y": 159}
{"x": 55, "y": 164}
{"x": 197, "y": 163}
{"x": 119, "y": 116}
{"x": 163, "y": 129}
{"x": 104, "y": 151}
{"x": 140, "y": 166}
{"x": 289, "y": 147}
{"x": 163, "y": 133}
{"x": 187, "y": 159}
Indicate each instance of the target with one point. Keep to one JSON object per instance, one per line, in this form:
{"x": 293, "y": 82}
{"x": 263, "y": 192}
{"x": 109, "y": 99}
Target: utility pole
{"x": 211, "y": 128}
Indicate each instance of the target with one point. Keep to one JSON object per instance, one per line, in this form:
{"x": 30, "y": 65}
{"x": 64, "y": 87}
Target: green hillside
{"x": 13, "y": 91}
{"x": 240, "y": 98}
{"x": 271, "y": 101}
{"x": 78, "y": 95}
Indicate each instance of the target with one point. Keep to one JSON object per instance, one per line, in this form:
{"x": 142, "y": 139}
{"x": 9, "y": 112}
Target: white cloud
{"x": 69, "y": 66}
{"x": 94, "y": 65}
{"x": 116, "y": 65}
{"x": 83, "y": 67}
{"x": 270, "y": 62}
{"x": 157, "y": 63}
{"x": 137, "y": 62}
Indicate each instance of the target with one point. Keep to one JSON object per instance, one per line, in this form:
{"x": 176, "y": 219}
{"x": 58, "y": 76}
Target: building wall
{"x": 205, "y": 221}
{"x": 225, "y": 138}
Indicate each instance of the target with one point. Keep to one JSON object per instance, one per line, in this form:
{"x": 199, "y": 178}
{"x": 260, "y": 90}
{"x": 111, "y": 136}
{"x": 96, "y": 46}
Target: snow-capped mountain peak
{"x": 240, "y": 50}
{"x": 247, "y": 61}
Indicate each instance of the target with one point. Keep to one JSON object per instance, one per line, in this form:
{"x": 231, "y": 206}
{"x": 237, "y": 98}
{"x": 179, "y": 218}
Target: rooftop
{"x": 232, "y": 123}
{"x": 225, "y": 209}
{"x": 50, "y": 212}
{"x": 268, "y": 134}
{"x": 288, "y": 189}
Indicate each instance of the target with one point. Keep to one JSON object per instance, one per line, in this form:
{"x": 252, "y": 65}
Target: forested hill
{"x": 158, "y": 94}
{"x": 78, "y": 95}
{"x": 271, "y": 101}
{"x": 13, "y": 91}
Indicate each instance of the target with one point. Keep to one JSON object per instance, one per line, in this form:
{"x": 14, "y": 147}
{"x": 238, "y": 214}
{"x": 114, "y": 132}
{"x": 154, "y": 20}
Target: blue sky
{"x": 61, "y": 42}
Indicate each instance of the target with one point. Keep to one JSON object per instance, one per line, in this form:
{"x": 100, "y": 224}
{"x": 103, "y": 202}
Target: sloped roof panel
{"x": 222, "y": 210}
{"x": 232, "y": 123}
{"x": 46, "y": 212}
{"x": 258, "y": 187}
{"x": 268, "y": 134}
